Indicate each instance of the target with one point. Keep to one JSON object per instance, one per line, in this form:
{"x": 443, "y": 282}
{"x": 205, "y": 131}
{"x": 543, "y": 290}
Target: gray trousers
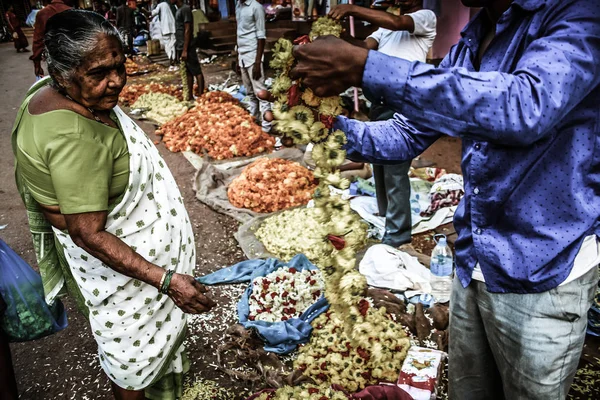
{"x": 517, "y": 346}
{"x": 393, "y": 192}
{"x": 253, "y": 86}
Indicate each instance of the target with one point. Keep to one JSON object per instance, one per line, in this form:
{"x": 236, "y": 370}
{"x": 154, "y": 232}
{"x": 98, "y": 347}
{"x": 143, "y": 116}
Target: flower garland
{"x": 331, "y": 357}
{"x": 306, "y": 118}
{"x": 305, "y": 391}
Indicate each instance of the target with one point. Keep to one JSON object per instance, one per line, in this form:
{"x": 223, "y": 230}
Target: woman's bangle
{"x": 162, "y": 281}
{"x": 164, "y": 288}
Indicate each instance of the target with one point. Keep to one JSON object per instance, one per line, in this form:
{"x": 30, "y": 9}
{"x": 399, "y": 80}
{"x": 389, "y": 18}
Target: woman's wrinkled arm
{"x": 87, "y": 231}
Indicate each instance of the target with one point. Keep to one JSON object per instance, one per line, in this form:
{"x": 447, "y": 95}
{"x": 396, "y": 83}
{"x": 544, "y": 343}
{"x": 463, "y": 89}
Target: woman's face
{"x": 97, "y": 83}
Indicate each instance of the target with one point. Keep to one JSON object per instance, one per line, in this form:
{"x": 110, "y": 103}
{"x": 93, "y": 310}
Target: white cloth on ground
{"x": 387, "y": 267}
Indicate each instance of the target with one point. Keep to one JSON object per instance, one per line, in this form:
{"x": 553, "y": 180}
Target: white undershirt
{"x": 587, "y": 258}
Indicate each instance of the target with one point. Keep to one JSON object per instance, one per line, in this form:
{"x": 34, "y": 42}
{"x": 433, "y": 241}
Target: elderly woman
{"x": 105, "y": 212}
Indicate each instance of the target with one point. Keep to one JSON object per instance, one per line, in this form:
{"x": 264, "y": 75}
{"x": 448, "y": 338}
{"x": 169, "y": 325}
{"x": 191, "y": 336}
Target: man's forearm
{"x": 384, "y": 19}
{"x": 260, "y": 50}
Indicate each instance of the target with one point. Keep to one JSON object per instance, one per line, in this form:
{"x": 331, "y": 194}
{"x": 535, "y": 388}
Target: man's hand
{"x": 342, "y": 11}
{"x": 256, "y": 72}
{"x": 329, "y": 65}
{"x": 187, "y": 294}
{"x": 184, "y": 55}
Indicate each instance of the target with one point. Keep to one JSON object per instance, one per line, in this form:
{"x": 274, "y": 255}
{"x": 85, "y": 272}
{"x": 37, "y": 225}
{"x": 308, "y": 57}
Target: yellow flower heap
{"x": 306, "y": 118}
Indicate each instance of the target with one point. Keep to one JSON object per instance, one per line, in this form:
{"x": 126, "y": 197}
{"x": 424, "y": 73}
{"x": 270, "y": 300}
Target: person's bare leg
{"x": 190, "y": 83}
{"x": 8, "y": 383}
{"x": 200, "y": 80}
{"x": 124, "y": 394}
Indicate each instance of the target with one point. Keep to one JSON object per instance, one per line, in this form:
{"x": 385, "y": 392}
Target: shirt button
{"x": 478, "y": 231}
{"x": 477, "y": 146}
{"x": 476, "y": 190}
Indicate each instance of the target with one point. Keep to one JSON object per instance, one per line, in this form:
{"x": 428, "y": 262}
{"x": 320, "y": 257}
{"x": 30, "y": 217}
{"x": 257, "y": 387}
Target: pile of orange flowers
{"x": 132, "y": 92}
{"x": 274, "y": 184}
{"x": 216, "y": 126}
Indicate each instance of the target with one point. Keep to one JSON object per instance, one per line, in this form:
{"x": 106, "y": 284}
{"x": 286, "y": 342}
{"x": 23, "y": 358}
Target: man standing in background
{"x": 166, "y": 22}
{"x": 39, "y": 29}
{"x": 125, "y": 24}
{"x": 14, "y": 25}
{"x": 251, "y": 39}
{"x": 408, "y": 36}
{"x": 186, "y": 48}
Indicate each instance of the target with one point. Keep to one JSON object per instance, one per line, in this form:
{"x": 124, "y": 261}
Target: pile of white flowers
{"x": 283, "y": 294}
{"x": 302, "y": 231}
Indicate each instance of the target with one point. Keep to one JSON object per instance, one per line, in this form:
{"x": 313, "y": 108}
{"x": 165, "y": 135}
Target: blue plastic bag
{"x": 280, "y": 337}
{"x": 27, "y": 316}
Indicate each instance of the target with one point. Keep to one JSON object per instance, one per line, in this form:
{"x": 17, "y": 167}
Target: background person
{"x": 186, "y": 48}
{"x": 39, "y": 30}
{"x": 126, "y": 24}
{"x": 521, "y": 89}
{"x": 251, "y": 39}
{"x": 166, "y": 22}
{"x": 14, "y": 25}
{"x": 408, "y": 36}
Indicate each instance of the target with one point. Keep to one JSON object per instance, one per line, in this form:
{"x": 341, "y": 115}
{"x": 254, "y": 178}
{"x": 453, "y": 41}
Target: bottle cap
{"x": 440, "y": 239}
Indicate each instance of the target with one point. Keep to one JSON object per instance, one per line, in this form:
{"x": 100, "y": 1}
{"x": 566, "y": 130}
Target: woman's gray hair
{"x": 70, "y": 37}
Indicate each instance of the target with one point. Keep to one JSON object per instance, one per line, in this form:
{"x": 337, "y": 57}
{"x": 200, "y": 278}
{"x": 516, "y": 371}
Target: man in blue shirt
{"x": 522, "y": 90}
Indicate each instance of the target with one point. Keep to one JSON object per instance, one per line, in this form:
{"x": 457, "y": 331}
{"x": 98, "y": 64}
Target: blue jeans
{"x": 517, "y": 346}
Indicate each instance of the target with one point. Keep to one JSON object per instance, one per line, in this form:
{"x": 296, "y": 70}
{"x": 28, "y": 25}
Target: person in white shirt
{"x": 409, "y": 36}
{"x": 166, "y": 21}
{"x": 251, "y": 39}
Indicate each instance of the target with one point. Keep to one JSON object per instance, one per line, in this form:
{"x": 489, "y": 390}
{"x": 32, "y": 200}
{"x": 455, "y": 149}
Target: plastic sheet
{"x": 280, "y": 337}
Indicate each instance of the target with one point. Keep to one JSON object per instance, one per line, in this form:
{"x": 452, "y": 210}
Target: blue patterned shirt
{"x": 529, "y": 119}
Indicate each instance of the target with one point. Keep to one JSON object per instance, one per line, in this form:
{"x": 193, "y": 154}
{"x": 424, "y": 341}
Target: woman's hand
{"x": 187, "y": 293}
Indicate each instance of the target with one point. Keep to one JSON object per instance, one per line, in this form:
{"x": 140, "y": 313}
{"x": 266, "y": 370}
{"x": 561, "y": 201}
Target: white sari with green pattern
{"x": 138, "y": 330}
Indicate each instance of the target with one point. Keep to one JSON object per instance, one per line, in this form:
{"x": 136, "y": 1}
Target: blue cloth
{"x": 528, "y": 119}
{"x": 280, "y": 337}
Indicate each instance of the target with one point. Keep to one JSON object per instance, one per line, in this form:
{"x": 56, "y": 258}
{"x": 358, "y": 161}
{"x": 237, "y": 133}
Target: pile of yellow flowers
{"x": 306, "y": 391}
{"x": 306, "y": 118}
{"x": 331, "y": 356}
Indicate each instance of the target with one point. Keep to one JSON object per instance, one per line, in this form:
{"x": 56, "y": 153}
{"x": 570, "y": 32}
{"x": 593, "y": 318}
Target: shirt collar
{"x": 530, "y": 5}
{"x": 246, "y": 2}
{"x": 472, "y": 31}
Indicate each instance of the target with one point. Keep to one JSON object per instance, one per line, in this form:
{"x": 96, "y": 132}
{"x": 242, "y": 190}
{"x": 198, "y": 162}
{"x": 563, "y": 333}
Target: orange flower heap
{"x": 269, "y": 185}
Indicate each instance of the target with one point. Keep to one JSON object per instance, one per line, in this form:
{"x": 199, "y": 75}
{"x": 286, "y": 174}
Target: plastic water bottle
{"x": 441, "y": 270}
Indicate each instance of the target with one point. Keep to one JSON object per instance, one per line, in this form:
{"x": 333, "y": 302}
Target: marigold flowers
{"x": 272, "y": 184}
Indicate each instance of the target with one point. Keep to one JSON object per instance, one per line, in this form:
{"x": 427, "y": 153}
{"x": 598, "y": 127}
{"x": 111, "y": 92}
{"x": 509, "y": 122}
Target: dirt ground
{"x": 65, "y": 365}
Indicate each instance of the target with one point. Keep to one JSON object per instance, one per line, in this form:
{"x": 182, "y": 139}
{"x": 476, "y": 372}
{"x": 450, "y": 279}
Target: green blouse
{"x": 68, "y": 160}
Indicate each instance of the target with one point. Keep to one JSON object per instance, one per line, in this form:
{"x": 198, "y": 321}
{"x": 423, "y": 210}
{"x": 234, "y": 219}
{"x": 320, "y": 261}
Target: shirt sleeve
{"x": 376, "y": 35}
{"x": 259, "y": 20}
{"x": 425, "y": 23}
{"x": 384, "y": 142}
{"x": 188, "y": 17}
{"x": 81, "y": 173}
{"x": 555, "y": 73}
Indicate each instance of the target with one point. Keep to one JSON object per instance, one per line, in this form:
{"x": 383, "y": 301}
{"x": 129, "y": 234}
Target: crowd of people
{"x": 521, "y": 89}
